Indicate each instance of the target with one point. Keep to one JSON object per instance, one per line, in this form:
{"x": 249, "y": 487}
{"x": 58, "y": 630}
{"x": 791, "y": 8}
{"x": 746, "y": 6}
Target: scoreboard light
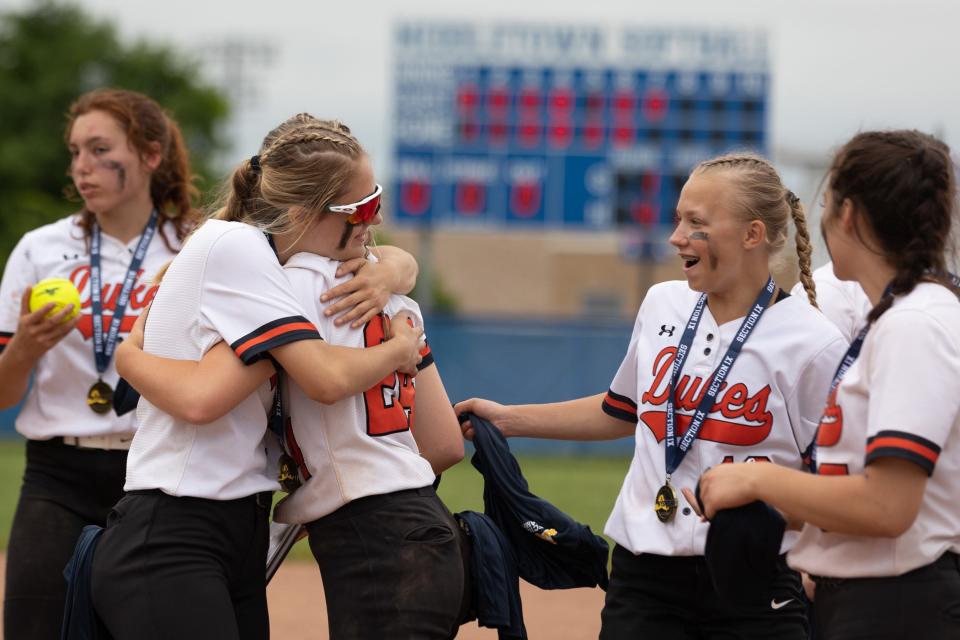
{"x": 561, "y": 135}
{"x": 469, "y": 132}
{"x": 525, "y": 198}
{"x": 561, "y": 100}
{"x": 414, "y": 197}
{"x": 623, "y": 136}
{"x": 468, "y": 97}
{"x": 655, "y": 103}
{"x": 624, "y": 102}
{"x": 498, "y": 99}
{"x": 529, "y": 99}
{"x": 528, "y": 134}
{"x": 470, "y": 198}
{"x": 499, "y": 133}
{"x": 592, "y": 135}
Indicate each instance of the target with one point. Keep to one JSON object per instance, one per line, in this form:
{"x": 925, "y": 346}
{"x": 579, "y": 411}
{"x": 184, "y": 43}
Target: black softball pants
{"x": 653, "y": 597}
{"x": 64, "y": 489}
{"x": 921, "y": 604}
{"x": 169, "y": 568}
{"x": 392, "y": 567}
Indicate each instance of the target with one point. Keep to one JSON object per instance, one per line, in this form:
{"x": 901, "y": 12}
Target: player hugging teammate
{"x": 366, "y": 497}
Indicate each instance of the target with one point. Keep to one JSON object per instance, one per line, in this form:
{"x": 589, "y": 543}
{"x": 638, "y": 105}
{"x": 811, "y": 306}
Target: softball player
{"x": 386, "y": 545}
{"x": 723, "y": 367}
{"x": 388, "y": 548}
{"x": 882, "y": 528}
{"x": 130, "y": 168}
{"x": 184, "y": 551}
{"x": 844, "y": 303}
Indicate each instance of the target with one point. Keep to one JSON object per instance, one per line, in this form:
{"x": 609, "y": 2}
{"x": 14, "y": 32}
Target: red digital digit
{"x": 389, "y": 403}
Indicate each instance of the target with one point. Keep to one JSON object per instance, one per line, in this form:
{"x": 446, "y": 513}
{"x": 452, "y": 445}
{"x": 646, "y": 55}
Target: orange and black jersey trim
{"x": 620, "y": 407}
{"x": 427, "y": 356}
{"x": 901, "y": 444}
{"x": 255, "y": 345}
{"x": 5, "y": 337}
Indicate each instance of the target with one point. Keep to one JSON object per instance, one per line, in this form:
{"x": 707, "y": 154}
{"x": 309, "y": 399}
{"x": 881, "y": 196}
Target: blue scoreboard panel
{"x": 566, "y": 127}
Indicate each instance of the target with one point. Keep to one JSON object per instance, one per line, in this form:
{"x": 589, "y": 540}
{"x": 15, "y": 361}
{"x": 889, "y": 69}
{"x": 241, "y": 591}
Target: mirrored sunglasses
{"x": 360, "y": 212}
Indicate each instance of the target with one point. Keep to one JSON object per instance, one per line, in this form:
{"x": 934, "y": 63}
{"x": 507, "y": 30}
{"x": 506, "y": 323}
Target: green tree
{"x": 50, "y": 53}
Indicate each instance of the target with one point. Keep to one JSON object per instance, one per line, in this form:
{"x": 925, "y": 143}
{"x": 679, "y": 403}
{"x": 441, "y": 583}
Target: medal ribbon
{"x": 103, "y": 348}
{"x": 675, "y": 451}
{"x": 853, "y": 352}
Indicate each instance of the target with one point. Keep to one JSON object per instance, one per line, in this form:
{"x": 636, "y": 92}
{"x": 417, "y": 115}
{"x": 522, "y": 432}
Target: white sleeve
{"x": 621, "y": 399}
{"x": 18, "y": 274}
{"x": 837, "y": 303}
{"x": 809, "y": 397}
{"x": 914, "y": 377}
{"x": 247, "y": 298}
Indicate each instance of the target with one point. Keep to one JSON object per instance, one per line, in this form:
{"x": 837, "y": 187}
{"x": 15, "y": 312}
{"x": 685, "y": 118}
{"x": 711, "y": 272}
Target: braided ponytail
{"x": 804, "y": 247}
{"x": 304, "y": 163}
{"x": 902, "y": 184}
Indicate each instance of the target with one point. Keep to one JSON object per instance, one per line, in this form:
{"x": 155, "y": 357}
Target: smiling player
{"x": 726, "y": 367}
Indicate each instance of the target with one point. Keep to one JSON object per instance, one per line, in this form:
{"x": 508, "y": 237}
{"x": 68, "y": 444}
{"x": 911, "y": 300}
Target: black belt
{"x": 263, "y": 499}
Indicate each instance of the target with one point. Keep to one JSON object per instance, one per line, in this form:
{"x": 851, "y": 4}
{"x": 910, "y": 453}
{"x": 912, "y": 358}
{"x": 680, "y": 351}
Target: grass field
{"x": 584, "y": 487}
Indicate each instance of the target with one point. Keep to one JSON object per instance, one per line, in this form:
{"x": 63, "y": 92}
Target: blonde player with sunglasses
{"x": 360, "y": 468}
{"x": 184, "y": 551}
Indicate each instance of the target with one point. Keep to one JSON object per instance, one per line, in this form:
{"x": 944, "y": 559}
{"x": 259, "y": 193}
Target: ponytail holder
{"x": 792, "y": 198}
{"x": 255, "y": 164}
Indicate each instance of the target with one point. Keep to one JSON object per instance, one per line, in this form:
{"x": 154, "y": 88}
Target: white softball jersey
{"x": 56, "y": 404}
{"x": 843, "y": 302}
{"x": 226, "y": 284}
{"x": 362, "y": 445}
{"x": 767, "y": 409}
{"x": 900, "y": 398}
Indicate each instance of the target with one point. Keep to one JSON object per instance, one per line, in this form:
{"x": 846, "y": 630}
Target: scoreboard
{"x": 574, "y": 127}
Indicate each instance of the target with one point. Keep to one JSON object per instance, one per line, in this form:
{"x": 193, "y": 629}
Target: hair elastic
{"x": 255, "y": 163}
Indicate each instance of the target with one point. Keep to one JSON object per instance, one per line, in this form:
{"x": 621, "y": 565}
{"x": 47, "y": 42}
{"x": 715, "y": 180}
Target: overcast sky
{"x": 837, "y": 65}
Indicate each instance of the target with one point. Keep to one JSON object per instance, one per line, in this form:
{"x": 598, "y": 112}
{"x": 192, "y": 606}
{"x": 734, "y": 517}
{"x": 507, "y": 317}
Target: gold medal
{"x": 666, "y": 503}
{"x": 288, "y": 475}
{"x": 100, "y": 397}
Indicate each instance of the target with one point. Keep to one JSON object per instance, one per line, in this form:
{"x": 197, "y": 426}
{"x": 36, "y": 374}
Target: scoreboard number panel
{"x": 566, "y": 126}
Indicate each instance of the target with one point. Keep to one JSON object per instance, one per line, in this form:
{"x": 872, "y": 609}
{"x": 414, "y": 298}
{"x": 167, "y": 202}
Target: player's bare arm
{"x": 365, "y": 295}
{"x": 437, "y": 432}
{"x": 35, "y": 335}
{"x": 328, "y": 373}
{"x": 884, "y": 501}
{"x": 192, "y": 391}
{"x": 580, "y": 419}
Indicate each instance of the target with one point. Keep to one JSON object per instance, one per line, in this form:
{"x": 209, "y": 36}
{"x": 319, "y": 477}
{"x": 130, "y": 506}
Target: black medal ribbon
{"x": 99, "y": 398}
{"x": 665, "y": 504}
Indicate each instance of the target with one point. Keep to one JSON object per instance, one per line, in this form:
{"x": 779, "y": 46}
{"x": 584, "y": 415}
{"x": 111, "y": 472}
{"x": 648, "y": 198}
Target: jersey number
{"x": 389, "y": 403}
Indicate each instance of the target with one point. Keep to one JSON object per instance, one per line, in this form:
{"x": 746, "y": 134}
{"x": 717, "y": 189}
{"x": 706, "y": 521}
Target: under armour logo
{"x": 664, "y": 330}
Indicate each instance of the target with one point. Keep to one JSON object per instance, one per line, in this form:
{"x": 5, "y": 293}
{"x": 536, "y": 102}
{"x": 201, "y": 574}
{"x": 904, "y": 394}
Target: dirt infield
{"x": 297, "y": 611}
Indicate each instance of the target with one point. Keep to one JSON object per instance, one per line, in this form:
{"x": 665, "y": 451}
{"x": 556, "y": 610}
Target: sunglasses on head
{"x": 360, "y": 212}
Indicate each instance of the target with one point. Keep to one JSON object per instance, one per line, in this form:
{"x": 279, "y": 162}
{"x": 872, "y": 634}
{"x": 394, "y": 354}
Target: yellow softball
{"x": 57, "y": 290}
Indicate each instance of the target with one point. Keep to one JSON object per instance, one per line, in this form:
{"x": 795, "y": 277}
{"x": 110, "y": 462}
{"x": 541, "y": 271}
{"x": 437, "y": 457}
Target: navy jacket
{"x": 521, "y": 535}
{"x": 80, "y": 621}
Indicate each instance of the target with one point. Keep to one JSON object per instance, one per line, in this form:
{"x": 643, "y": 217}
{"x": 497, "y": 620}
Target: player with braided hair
{"x": 184, "y": 552}
{"x": 725, "y": 366}
{"x": 882, "y": 521}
